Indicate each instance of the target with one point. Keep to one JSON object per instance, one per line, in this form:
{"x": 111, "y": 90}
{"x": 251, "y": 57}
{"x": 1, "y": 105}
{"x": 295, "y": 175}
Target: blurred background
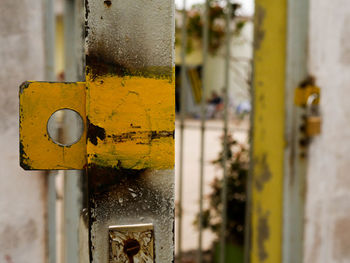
{"x": 42, "y": 40}
{"x": 262, "y": 128}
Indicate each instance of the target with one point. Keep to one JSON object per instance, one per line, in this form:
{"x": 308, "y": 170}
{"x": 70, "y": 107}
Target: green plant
{"x": 237, "y": 167}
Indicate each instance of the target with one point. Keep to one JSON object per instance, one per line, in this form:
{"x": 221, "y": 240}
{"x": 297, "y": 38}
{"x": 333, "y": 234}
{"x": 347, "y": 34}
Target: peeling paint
{"x": 259, "y": 36}
{"x": 268, "y": 131}
{"x": 263, "y": 236}
{"x": 23, "y": 86}
{"x": 95, "y": 132}
{"x": 263, "y": 176}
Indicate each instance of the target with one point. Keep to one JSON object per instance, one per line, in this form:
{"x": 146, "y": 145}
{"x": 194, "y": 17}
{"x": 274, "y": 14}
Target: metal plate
{"x": 38, "y": 101}
{"x": 131, "y": 243}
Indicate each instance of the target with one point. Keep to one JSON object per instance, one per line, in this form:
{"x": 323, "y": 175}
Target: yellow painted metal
{"x": 302, "y": 94}
{"x": 196, "y": 84}
{"x": 133, "y": 118}
{"x": 268, "y": 131}
{"x": 130, "y": 123}
{"x": 38, "y": 101}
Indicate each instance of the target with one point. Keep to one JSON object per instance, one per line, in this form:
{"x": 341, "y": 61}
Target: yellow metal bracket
{"x": 38, "y": 101}
{"x": 128, "y": 120}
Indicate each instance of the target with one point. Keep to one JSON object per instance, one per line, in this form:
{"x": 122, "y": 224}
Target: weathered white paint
{"x": 22, "y": 194}
{"x": 327, "y": 229}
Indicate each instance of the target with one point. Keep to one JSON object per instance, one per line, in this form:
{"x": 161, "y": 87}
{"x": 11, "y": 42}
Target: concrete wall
{"x": 22, "y": 194}
{"x": 327, "y": 232}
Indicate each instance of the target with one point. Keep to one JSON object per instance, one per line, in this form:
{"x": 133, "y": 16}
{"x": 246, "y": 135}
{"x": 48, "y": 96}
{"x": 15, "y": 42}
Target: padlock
{"x": 313, "y": 118}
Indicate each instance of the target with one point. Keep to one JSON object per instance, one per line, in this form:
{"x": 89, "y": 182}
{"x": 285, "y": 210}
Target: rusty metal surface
{"x": 131, "y": 243}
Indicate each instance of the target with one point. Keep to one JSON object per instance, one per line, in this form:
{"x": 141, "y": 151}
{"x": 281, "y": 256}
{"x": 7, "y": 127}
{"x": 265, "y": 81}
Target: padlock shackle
{"x": 311, "y": 99}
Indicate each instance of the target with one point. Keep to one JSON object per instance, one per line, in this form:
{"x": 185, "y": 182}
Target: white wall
{"x": 327, "y": 232}
{"x": 242, "y": 53}
{"x": 22, "y": 194}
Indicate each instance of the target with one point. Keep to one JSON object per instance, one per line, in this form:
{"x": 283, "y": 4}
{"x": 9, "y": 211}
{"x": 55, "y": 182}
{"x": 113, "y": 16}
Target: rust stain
{"x": 131, "y": 248}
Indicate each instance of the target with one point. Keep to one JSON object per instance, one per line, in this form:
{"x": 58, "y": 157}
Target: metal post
{"x": 248, "y": 206}
{"x": 224, "y": 161}
{"x": 130, "y": 118}
{"x": 73, "y": 180}
{"x": 295, "y": 170}
{"x": 269, "y": 137}
{"x": 50, "y": 29}
{"x": 205, "y": 37}
{"x": 182, "y": 127}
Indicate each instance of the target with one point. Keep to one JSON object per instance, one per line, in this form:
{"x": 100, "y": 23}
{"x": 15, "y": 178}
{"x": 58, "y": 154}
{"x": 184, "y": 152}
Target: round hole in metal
{"x": 65, "y": 127}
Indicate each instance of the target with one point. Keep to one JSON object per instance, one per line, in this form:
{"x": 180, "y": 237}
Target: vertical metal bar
{"x": 268, "y": 140}
{"x": 205, "y": 37}
{"x": 50, "y": 29}
{"x": 70, "y": 56}
{"x": 248, "y": 206}
{"x": 51, "y": 217}
{"x": 182, "y": 127}
{"x": 73, "y": 180}
{"x": 224, "y": 161}
{"x": 296, "y": 168}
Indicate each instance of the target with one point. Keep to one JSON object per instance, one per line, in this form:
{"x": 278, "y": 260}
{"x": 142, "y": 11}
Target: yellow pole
{"x": 268, "y": 131}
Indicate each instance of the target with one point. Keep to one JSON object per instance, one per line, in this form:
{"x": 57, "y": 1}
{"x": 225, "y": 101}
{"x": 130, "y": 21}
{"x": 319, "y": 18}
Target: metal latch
{"x": 124, "y": 126}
